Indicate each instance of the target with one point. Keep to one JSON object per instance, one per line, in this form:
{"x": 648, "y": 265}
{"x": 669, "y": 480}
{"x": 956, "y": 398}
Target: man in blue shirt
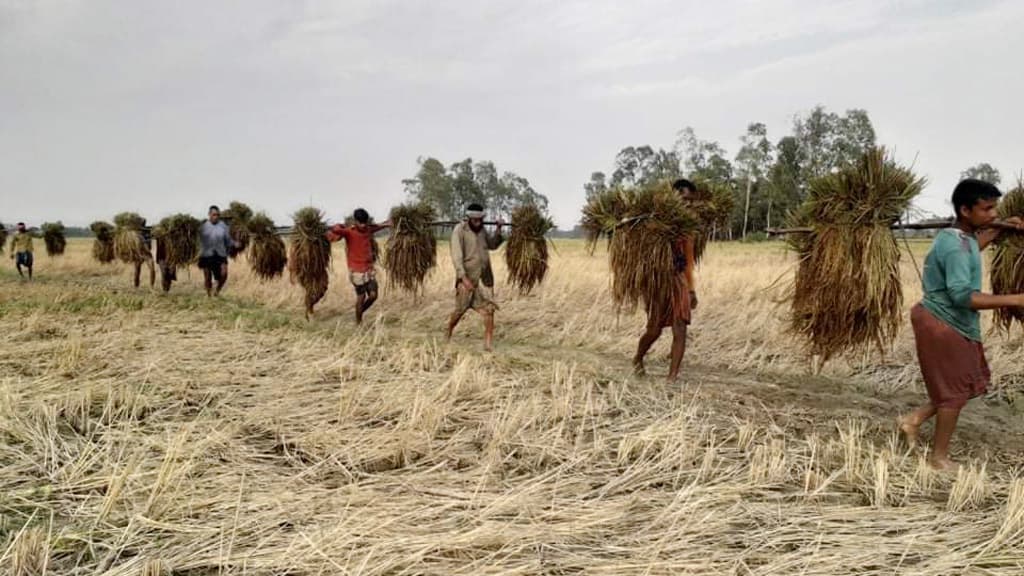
{"x": 947, "y": 326}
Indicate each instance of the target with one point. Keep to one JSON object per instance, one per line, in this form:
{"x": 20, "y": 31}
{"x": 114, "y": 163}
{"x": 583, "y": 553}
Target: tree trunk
{"x": 746, "y": 209}
{"x": 769, "y": 213}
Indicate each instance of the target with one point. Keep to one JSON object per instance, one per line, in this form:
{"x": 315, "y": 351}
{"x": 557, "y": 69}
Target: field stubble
{"x": 150, "y": 434}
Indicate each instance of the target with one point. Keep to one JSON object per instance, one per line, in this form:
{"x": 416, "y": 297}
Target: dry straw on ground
{"x": 53, "y": 238}
{"x": 412, "y": 247}
{"x": 238, "y": 216}
{"x": 268, "y": 255}
{"x": 526, "y": 253}
{"x": 847, "y": 294}
{"x": 643, "y": 225}
{"x": 103, "y": 242}
{"x": 1007, "y": 268}
{"x": 129, "y": 245}
{"x": 309, "y": 261}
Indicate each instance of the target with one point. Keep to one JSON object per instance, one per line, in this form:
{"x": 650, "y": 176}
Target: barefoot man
{"x": 21, "y": 250}
{"x": 675, "y": 313}
{"x": 216, "y": 243}
{"x": 360, "y": 257}
{"x": 946, "y": 322}
{"x": 474, "y": 279}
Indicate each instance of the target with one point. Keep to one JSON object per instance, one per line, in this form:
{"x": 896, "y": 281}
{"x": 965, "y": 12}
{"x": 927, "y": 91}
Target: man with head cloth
{"x": 474, "y": 279}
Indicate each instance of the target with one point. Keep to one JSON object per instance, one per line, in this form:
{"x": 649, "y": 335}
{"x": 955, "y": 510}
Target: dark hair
{"x": 361, "y": 216}
{"x": 214, "y": 207}
{"x": 474, "y": 207}
{"x": 684, "y": 184}
{"x": 21, "y": 223}
{"x": 971, "y": 191}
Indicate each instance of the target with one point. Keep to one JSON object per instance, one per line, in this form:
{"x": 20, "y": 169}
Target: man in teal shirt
{"x": 947, "y": 326}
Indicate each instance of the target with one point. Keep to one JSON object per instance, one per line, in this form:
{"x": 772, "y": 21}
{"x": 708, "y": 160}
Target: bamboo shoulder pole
{"x": 911, "y": 226}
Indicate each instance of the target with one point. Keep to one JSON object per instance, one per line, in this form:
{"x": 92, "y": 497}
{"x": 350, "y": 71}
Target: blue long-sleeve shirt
{"x": 952, "y": 273}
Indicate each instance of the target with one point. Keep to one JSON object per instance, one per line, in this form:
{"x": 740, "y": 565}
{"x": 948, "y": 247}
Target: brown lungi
{"x": 678, "y": 310}
{"x": 954, "y": 366}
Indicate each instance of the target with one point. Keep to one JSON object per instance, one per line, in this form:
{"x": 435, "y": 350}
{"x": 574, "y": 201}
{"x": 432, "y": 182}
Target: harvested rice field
{"x": 151, "y": 434}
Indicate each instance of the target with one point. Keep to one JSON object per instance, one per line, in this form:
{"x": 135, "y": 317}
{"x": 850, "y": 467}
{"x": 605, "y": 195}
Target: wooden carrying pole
{"x": 911, "y": 226}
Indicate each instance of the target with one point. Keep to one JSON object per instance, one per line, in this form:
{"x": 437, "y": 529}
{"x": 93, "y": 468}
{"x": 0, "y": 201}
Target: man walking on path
{"x": 21, "y": 250}
{"x": 215, "y": 241}
{"x": 474, "y": 279}
{"x": 359, "y": 254}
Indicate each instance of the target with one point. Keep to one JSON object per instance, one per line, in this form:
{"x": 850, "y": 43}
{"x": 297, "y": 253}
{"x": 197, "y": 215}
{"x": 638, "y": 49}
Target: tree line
{"x": 450, "y": 188}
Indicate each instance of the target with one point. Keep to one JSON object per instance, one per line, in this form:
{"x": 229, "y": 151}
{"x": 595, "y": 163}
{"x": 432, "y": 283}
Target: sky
{"x": 165, "y": 107}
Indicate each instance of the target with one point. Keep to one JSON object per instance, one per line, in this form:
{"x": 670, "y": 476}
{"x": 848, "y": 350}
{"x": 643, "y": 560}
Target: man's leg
{"x": 138, "y": 273}
{"x": 488, "y": 329}
{"x": 650, "y": 336}
{"x": 17, "y": 264}
{"x": 910, "y": 424}
{"x": 371, "y": 295}
{"x": 678, "y": 349}
{"x": 208, "y": 281}
{"x": 945, "y": 424}
{"x": 222, "y": 277}
{"x": 360, "y": 305}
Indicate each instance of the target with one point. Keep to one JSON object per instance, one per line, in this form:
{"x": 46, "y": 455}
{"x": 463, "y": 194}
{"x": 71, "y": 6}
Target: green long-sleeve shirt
{"x": 21, "y": 242}
{"x": 952, "y": 273}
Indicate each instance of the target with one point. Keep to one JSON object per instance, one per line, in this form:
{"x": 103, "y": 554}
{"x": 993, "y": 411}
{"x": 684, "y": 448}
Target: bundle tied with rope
{"x": 103, "y": 242}
{"x": 1007, "y": 266}
{"x": 526, "y": 253}
{"x": 641, "y": 225}
{"x": 310, "y": 259}
{"x": 267, "y": 255}
{"x": 238, "y": 216}
{"x": 179, "y": 239}
{"x": 847, "y": 292}
{"x": 129, "y": 245}
{"x": 53, "y": 238}
{"x": 412, "y": 247}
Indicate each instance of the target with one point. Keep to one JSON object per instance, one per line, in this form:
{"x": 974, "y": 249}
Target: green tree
{"x": 753, "y": 162}
{"x": 784, "y": 188}
{"x": 983, "y": 171}
{"x": 703, "y": 159}
{"x": 643, "y": 165}
{"x": 450, "y": 189}
{"x": 828, "y": 141}
{"x": 596, "y": 186}
{"x": 433, "y": 186}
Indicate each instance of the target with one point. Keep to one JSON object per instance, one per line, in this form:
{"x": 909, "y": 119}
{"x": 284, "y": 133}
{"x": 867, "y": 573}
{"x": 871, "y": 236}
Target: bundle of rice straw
{"x": 237, "y": 216}
{"x": 713, "y": 203}
{"x": 3, "y": 237}
{"x": 642, "y": 224}
{"x": 103, "y": 245}
{"x": 129, "y": 245}
{"x": 847, "y": 293}
{"x": 1007, "y": 268}
{"x": 179, "y": 235}
{"x": 526, "y": 253}
{"x": 310, "y": 258}
{"x": 268, "y": 255}
{"x": 412, "y": 247}
{"x": 53, "y": 237}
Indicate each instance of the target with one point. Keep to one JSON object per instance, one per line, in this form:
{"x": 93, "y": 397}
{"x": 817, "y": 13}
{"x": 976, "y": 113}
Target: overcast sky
{"x": 163, "y": 107}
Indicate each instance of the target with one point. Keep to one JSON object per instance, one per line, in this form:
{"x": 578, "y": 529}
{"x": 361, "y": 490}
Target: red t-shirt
{"x": 358, "y": 245}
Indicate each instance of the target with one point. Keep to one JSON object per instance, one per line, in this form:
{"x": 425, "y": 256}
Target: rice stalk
{"x": 1007, "y": 269}
{"x": 847, "y": 293}
{"x": 412, "y": 247}
{"x": 129, "y": 245}
{"x": 642, "y": 226}
{"x": 103, "y": 244}
{"x": 53, "y": 237}
{"x": 310, "y": 257}
{"x": 713, "y": 204}
{"x": 179, "y": 235}
{"x": 30, "y": 552}
{"x": 238, "y": 216}
{"x": 3, "y": 237}
{"x": 268, "y": 255}
{"x": 526, "y": 253}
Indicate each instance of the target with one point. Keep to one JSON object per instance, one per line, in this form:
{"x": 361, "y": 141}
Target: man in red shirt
{"x": 360, "y": 254}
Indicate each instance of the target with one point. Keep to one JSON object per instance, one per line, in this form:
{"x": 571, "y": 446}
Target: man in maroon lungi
{"x": 947, "y": 328}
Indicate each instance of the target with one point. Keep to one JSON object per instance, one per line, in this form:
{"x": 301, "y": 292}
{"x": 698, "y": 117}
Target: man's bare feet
{"x": 944, "y": 464}
{"x": 910, "y": 428}
{"x": 672, "y": 378}
{"x": 638, "y": 367}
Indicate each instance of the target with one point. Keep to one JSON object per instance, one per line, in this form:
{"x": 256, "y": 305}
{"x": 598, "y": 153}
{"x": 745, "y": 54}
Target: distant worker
{"x": 675, "y": 311}
{"x": 215, "y": 245}
{"x": 21, "y": 250}
{"x": 360, "y": 256}
{"x": 474, "y": 278}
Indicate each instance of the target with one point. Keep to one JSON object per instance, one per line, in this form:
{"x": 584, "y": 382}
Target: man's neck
{"x": 964, "y": 227}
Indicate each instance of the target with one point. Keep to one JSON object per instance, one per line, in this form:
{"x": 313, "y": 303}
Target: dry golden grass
{"x": 150, "y": 434}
